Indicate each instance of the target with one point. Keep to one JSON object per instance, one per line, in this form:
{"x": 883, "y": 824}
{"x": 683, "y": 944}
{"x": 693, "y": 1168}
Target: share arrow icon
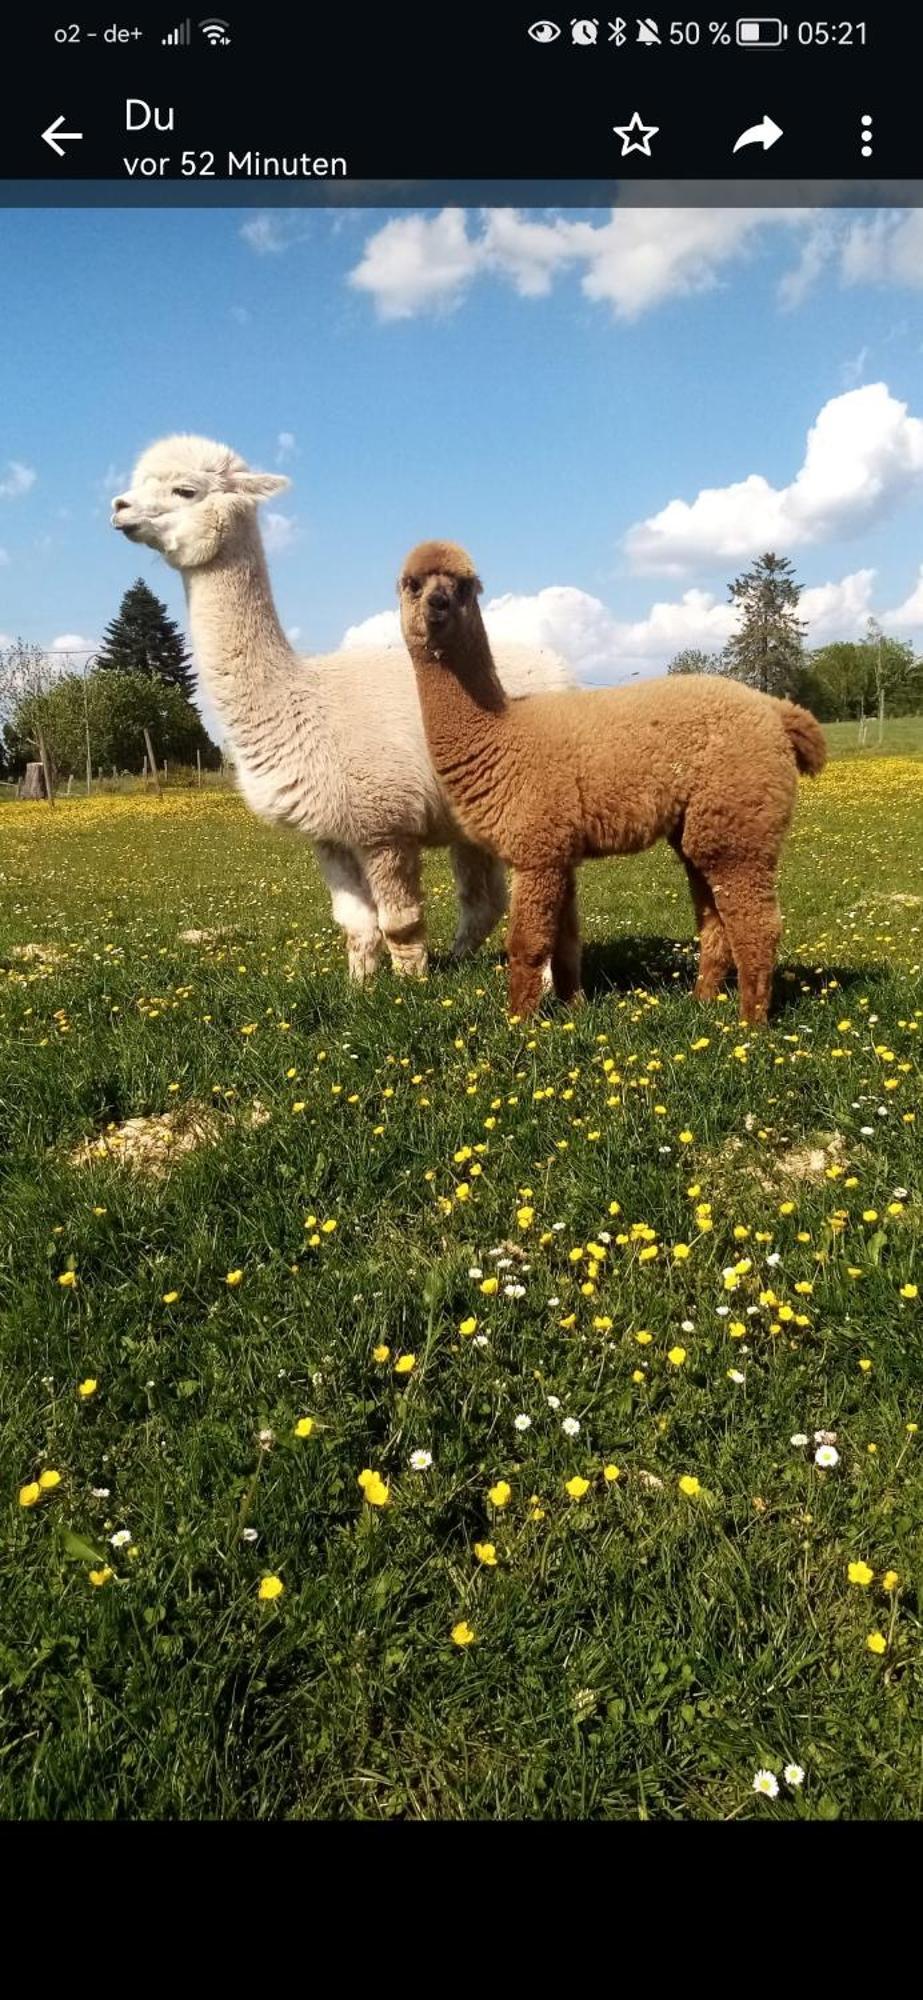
{"x": 764, "y": 135}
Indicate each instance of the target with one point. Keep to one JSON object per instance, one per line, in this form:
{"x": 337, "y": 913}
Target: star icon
{"x": 636, "y": 136}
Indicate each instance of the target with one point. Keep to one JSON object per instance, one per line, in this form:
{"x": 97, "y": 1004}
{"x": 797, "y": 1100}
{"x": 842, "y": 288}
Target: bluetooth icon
{"x": 616, "y": 32}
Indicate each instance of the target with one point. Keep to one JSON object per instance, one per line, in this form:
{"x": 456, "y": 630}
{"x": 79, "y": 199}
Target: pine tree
{"x": 766, "y": 650}
{"x": 143, "y": 639}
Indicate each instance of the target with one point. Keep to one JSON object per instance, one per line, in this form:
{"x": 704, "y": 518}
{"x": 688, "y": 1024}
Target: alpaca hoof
{"x": 410, "y": 964}
{"x": 547, "y": 978}
{"x": 362, "y": 955}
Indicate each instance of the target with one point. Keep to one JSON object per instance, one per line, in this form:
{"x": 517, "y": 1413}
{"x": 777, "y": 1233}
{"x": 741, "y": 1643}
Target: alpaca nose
{"x": 120, "y": 501}
{"x": 438, "y": 600}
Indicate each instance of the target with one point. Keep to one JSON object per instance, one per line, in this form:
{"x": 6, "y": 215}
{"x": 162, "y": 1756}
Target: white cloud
{"x": 838, "y": 610}
{"x": 633, "y": 261}
{"x": 418, "y": 264}
{"x": 268, "y": 234}
{"x": 286, "y": 446}
{"x": 886, "y": 249}
{"x": 71, "y": 642}
{"x": 864, "y": 453}
{"x": 603, "y": 648}
{"x": 293, "y": 634}
{"x": 852, "y": 371}
{"x": 908, "y": 616}
{"x": 17, "y": 480}
{"x": 280, "y": 532}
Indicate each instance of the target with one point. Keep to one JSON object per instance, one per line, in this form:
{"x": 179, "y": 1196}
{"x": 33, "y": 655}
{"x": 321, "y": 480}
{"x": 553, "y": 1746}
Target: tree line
{"x": 136, "y": 690}
{"x": 839, "y": 682}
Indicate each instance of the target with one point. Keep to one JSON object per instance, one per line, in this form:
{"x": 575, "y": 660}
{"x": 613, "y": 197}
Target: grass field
{"x": 607, "y": 1271}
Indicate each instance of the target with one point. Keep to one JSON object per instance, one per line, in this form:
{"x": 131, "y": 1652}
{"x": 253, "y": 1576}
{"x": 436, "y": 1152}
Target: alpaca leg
{"x": 715, "y": 955}
{"x": 481, "y": 884}
{"x": 353, "y": 906}
{"x": 565, "y": 958}
{"x": 537, "y": 902}
{"x": 394, "y": 875}
{"x": 749, "y": 909}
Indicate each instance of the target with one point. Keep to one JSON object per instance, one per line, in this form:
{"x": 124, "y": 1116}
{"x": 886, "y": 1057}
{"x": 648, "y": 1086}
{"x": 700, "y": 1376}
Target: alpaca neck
{"x": 244, "y": 658}
{"x": 465, "y": 715}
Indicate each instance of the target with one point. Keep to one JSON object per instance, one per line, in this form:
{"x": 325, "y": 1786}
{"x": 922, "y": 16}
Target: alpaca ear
{"x": 259, "y": 485}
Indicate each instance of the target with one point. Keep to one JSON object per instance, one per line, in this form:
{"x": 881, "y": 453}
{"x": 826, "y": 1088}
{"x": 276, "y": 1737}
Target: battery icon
{"x": 761, "y": 33}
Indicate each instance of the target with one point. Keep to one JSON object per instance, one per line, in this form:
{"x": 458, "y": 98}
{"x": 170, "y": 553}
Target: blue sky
{"x": 610, "y": 409}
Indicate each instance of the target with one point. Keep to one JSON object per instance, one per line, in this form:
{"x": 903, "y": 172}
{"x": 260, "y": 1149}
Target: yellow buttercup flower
{"x": 170, "y": 1298}
{"x": 876, "y": 1642}
{"x": 486, "y": 1554}
{"x": 468, "y": 1325}
{"x": 500, "y": 1494}
{"x": 525, "y": 1217}
{"x": 30, "y": 1494}
{"x": 234, "y": 1278}
{"x": 100, "y": 1576}
{"x": 49, "y": 1480}
{"x": 576, "y": 1487}
{"x": 375, "y": 1489}
{"x": 405, "y": 1365}
{"x": 909, "y": 1291}
{"x": 610, "y": 1474}
{"x": 462, "y": 1633}
{"x": 67, "y": 1279}
{"x": 681, "y": 1251}
{"x": 87, "y": 1387}
{"x": 890, "y": 1580}
{"x": 489, "y": 1286}
{"x": 859, "y": 1572}
{"x": 382, "y": 1352}
{"x": 270, "y": 1587}
{"x": 304, "y": 1427}
{"x": 677, "y": 1356}
{"x": 689, "y": 1485}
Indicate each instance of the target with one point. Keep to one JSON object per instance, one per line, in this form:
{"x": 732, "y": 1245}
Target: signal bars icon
{"x": 214, "y": 30}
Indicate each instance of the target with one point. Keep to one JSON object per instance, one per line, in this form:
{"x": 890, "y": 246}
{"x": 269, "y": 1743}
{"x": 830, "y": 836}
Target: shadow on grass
{"x": 625, "y": 964}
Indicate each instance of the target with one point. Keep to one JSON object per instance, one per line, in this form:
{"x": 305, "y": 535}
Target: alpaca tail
{"x": 807, "y": 739}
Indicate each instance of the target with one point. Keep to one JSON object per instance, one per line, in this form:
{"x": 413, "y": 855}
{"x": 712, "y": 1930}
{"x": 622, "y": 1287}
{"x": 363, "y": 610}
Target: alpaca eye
{"x": 411, "y": 584}
{"x": 184, "y": 492}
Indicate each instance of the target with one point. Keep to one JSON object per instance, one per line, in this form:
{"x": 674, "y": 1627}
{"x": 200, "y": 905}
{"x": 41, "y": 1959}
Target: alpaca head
{"x": 189, "y": 498}
{"x": 438, "y": 589}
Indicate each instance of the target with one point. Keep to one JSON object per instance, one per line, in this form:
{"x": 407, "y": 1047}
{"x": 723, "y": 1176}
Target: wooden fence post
{"x": 152, "y": 762}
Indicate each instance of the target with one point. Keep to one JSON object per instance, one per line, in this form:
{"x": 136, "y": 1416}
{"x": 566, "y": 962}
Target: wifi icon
{"x": 215, "y": 31}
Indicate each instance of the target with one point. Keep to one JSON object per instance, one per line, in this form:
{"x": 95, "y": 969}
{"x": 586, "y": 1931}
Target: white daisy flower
{"x": 722, "y": 1311}
{"x": 798, "y": 1438}
{"x": 522, "y": 1422}
{"x": 100, "y": 1492}
{"x": 249, "y": 1535}
{"x": 480, "y": 1340}
{"x": 826, "y": 1456}
{"x": 571, "y": 1427}
{"x": 793, "y": 1775}
{"x": 767, "y": 1783}
{"x": 774, "y": 1258}
{"x": 736, "y": 1375}
{"x": 554, "y": 1402}
{"x": 514, "y": 1291}
{"x": 867, "y": 1131}
{"x": 119, "y": 1539}
{"x": 555, "y": 1301}
{"x": 421, "y": 1460}
{"x": 688, "y": 1326}
{"x": 475, "y": 1271}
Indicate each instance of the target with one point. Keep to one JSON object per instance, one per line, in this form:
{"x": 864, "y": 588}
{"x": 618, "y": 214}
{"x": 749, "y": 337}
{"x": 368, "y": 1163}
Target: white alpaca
{"x": 332, "y": 744}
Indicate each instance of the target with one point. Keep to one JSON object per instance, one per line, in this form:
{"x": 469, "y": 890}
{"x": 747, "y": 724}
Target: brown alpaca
{"x": 553, "y": 779}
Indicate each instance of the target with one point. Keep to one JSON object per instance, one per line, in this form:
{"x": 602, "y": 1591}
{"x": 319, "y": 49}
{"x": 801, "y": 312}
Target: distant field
{"x": 903, "y": 737}
{"x": 603, "y": 1272}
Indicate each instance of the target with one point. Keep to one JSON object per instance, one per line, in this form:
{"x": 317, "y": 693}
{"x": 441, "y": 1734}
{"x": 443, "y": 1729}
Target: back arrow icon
{"x": 764, "y": 135}
{"x": 53, "y": 133}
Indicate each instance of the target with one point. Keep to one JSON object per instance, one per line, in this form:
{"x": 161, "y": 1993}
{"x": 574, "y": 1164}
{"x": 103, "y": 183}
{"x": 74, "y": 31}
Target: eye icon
{"x": 544, "y": 31}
